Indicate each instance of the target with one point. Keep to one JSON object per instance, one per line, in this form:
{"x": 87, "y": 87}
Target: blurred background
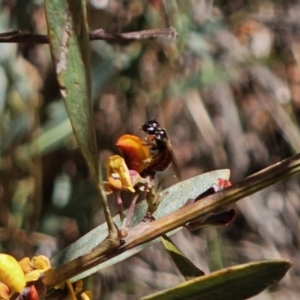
{"x": 227, "y": 90}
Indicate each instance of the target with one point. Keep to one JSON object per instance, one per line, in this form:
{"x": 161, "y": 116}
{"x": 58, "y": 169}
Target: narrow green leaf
{"x": 184, "y": 265}
{"x": 69, "y": 43}
{"x": 189, "y": 188}
{"x": 238, "y": 283}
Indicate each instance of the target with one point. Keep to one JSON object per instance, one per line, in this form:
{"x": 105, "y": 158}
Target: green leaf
{"x": 189, "y": 188}
{"x": 238, "y": 283}
{"x": 184, "y": 265}
{"x": 69, "y": 43}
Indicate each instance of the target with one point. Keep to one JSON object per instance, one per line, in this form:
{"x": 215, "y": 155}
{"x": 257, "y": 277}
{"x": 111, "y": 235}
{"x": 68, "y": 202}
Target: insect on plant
{"x": 161, "y": 151}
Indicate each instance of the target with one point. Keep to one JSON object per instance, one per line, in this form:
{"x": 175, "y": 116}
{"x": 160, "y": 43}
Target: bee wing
{"x": 174, "y": 161}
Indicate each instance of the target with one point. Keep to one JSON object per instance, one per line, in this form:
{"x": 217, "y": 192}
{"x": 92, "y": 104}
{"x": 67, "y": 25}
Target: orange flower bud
{"x": 135, "y": 152}
{"x": 11, "y": 273}
{"x": 118, "y": 175}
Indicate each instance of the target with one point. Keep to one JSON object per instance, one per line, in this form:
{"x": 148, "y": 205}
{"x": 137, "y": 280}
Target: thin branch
{"x": 17, "y": 36}
{"x": 145, "y": 232}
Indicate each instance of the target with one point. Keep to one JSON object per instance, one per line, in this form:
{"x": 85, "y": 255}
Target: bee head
{"x": 150, "y": 127}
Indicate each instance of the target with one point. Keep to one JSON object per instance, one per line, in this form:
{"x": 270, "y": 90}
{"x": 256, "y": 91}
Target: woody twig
{"x": 17, "y": 36}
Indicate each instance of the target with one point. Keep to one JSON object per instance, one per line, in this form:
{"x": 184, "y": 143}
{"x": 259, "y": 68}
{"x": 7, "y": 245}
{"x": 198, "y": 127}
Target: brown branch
{"x": 145, "y": 232}
{"x": 16, "y": 36}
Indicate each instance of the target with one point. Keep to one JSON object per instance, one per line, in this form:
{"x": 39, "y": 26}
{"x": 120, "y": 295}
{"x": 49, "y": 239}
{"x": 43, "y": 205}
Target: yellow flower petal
{"x": 33, "y": 275}
{"x": 87, "y": 295}
{"x": 118, "y": 174}
{"x": 71, "y": 292}
{"x": 25, "y": 264}
{"x": 115, "y": 182}
{"x": 11, "y": 273}
{"x": 41, "y": 262}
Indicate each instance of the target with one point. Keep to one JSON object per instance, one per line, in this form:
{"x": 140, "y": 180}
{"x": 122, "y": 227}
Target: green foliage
{"x": 238, "y": 282}
{"x": 69, "y": 42}
{"x": 226, "y": 92}
{"x": 184, "y": 265}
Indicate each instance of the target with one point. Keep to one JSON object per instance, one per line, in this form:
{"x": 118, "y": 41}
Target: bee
{"x": 161, "y": 151}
